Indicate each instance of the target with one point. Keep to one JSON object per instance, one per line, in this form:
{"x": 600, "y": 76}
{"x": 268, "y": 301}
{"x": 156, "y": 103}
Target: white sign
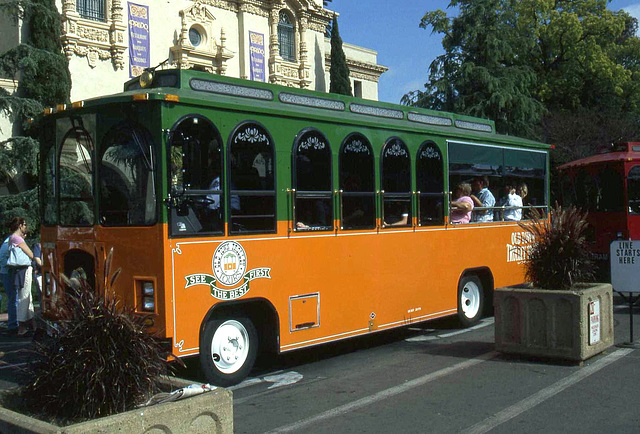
{"x": 625, "y": 265}
{"x": 594, "y": 322}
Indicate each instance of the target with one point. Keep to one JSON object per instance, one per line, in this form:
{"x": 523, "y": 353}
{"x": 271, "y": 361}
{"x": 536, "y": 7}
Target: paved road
{"x": 431, "y": 378}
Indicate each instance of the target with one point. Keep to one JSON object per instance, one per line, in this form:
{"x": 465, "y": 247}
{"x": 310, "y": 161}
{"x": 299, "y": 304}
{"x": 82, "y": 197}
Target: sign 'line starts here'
{"x": 625, "y": 265}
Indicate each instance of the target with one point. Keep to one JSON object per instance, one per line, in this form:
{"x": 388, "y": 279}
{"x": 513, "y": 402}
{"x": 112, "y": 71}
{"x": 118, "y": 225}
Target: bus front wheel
{"x": 470, "y": 300}
{"x": 228, "y": 351}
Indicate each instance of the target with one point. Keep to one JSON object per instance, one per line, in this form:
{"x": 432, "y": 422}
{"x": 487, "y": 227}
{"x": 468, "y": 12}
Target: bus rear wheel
{"x": 228, "y": 351}
{"x": 470, "y": 300}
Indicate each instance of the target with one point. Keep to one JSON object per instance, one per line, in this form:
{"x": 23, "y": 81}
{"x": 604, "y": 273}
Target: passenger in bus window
{"x": 482, "y": 197}
{"x": 461, "y": 207}
{"x": 523, "y": 191}
{"x": 396, "y": 213}
{"x": 513, "y": 203}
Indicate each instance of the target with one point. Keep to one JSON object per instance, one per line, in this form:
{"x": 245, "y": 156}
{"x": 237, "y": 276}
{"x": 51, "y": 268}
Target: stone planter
{"x": 554, "y": 324}
{"x": 211, "y": 412}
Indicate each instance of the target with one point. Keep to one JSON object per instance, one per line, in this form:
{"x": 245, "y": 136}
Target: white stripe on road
{"x": 384, "y": 394}
{"x": 537, "y": 398}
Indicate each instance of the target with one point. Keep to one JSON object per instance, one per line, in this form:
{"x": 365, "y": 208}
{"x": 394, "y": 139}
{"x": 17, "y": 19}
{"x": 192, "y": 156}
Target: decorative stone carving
{"x": 362, "y": 70}
{"x": 95, "y": 40}
{"x": 207, "y": 53}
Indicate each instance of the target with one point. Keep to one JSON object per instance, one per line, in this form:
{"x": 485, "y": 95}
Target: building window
{"x": 286, "y": 38}
{"x": 357, "y": 88}
{"x": 195, "y": 37}
{"x": 92, "y": 9}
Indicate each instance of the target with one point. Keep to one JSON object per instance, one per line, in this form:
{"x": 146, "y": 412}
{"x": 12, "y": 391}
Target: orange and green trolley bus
{"x": 249, "y": 217}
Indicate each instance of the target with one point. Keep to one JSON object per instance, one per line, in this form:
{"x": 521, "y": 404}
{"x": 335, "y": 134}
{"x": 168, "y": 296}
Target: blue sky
{"x": 391, "y": 28}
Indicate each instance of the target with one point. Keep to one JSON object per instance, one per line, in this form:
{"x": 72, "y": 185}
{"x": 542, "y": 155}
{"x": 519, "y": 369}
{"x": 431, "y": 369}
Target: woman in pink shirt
{"x": 462, "y": 205}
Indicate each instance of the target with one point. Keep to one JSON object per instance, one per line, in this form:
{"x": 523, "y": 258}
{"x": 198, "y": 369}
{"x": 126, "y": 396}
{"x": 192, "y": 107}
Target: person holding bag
{"x": 6, "y": 277}
{"x": 20, "y": 257}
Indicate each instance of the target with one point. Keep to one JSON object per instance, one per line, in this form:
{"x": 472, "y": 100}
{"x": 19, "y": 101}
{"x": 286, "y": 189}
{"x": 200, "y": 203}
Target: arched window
{"x": 312, "y": 182}
{"x": 195, "y": 159}
{"x": 396, "y": 183}
{"x": 126, "y": 174}
{"x": 252, "y": 195}
{"x": 430, "y": 184}
{"x": 286, "y": 39}
{"x": 76, "y": 178}
{"x": 358, "y": 209}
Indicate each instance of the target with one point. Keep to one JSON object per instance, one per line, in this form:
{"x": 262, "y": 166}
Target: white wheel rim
{"x": 230, "y": 346}
{"x": 470, "y": 299}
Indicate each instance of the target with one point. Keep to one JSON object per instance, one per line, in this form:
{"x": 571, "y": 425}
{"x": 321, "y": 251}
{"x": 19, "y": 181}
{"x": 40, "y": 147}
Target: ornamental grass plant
{"x": 96, "y": 361}
{"x": 559, "y": 256}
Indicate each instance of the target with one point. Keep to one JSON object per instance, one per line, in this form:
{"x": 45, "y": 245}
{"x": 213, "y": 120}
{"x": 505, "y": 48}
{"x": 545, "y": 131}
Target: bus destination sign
{"x": 625, "y": 265}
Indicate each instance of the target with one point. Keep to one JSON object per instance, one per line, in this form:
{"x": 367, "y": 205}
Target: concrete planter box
{"x": 211, "y": 412}
{"x": 552, "y": 324}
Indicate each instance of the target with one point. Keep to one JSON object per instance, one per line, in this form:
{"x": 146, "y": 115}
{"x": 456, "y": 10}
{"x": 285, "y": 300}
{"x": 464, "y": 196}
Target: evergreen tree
{"x": 339, "y": 71}
{"x": 42, "y": 73}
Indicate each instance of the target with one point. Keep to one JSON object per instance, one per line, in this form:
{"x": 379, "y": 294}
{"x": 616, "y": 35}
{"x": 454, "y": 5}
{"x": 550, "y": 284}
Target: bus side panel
{"x": 361, "y": 282}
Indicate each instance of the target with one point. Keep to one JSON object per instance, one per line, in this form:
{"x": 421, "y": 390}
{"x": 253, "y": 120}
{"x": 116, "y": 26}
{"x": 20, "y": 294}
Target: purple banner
{"x": 138, "y": 39}
{"x": 256, "y": 54}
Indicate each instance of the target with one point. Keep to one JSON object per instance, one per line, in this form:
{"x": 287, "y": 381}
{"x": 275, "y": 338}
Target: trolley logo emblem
{"x": 229, "y": 268}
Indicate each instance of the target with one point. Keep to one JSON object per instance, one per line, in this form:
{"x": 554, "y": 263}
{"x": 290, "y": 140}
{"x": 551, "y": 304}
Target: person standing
{"x": 482, "y": 197}
{"x": 6, "y": 277}
{"x": 22, "y": 275}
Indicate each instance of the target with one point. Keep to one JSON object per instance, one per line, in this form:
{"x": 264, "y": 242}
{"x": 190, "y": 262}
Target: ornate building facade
{"x": 278, "y": 41}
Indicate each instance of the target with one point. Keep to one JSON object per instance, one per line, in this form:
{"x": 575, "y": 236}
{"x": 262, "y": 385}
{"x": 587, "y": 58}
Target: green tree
{"x": 539, "y": 67}
{"x": 42, "y": 73}
{"x": 339, "y": 71}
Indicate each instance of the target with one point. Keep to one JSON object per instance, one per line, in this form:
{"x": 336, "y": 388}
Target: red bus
{"x": 607, "y": 185}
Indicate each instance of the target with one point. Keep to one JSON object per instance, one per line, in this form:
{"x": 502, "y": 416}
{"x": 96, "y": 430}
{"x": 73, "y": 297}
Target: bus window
{"x": 586, "y": 191}
{"x": 126, "y": 174}
{"x": 567, "y": 189}
{"x": 610, "y": 192}
{"x": 76, "y": 181}
{"x": 396, "y": 183}
{"x": 357, "y": 184}
{"x": 430, "y": 184}
{"x": 195, "y": 158}
{"x": 312, "y": 182}
{"x": 252, "y": 196}
{"x": 633, "y": 188}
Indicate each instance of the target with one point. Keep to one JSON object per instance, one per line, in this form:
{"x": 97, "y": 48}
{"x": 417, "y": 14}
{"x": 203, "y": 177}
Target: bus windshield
{"x": 125, "y": 170}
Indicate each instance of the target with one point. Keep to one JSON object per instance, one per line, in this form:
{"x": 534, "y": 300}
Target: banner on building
{"x": 256, "y": 53}
{"x": 139, "y": 58}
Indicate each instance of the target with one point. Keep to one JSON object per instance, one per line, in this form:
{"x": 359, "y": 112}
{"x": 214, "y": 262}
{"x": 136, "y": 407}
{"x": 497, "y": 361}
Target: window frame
{"x": 430, "y": 194}
{"x": 395, "y": 196}
{"x": 311, "y": 194}
{"x": 91, "y": 10}
{"x": 344, "y": 194}
{"x": 286, "y": 30}
{"x": 256, "y": 193}
{"x": 173, "y": 200}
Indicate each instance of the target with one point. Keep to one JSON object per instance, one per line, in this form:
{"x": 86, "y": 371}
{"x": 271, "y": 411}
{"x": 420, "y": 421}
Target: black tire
{"x": 228, "y": 350}
{"x": 470, "y": 300}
